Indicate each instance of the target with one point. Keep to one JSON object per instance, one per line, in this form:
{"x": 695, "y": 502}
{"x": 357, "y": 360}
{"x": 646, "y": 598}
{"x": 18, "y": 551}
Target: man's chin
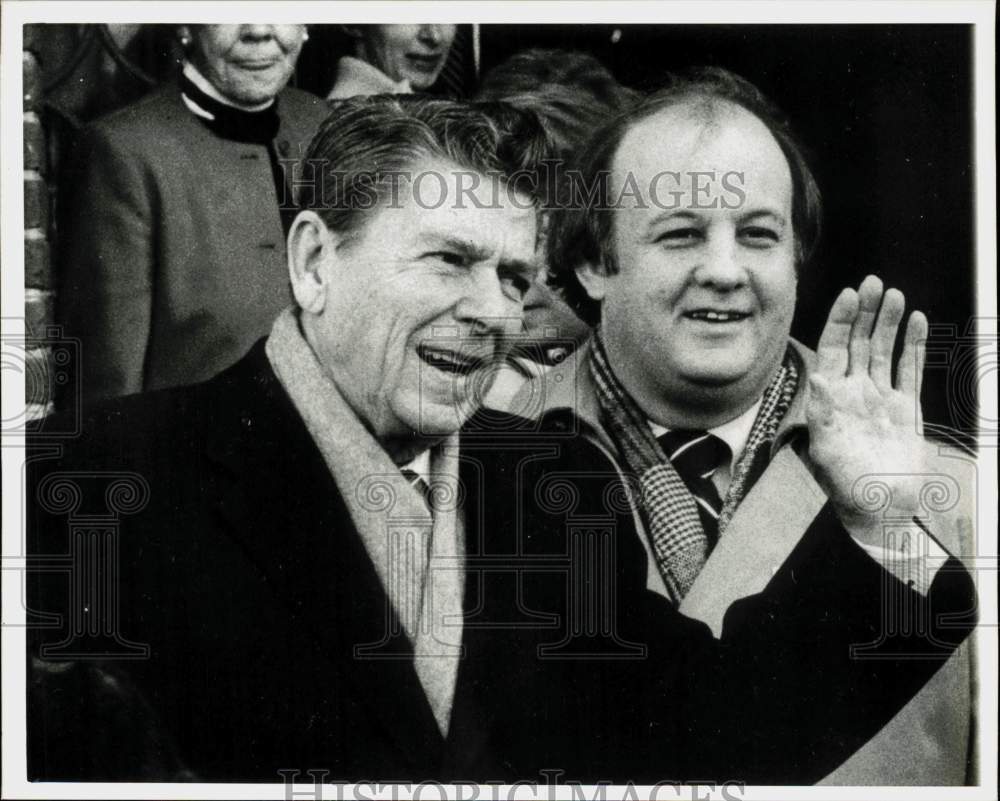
{"x": 715, "y": 375}
{"x": 442, "y": 420}
{"x": 716, "y": 389}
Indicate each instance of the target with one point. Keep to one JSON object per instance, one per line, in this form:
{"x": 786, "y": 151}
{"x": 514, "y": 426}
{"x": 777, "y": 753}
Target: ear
{"x": 310, "y": 248}
{"x": 594, "y": 279}
{"x": 184, "y": 35}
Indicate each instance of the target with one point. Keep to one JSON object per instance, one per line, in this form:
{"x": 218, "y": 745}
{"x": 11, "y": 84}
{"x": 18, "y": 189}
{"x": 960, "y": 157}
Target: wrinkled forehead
{"x": 434, "y": 199}
{"x": 702, "y": 146}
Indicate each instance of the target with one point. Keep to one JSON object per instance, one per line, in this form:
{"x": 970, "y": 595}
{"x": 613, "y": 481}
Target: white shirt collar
{"x": 734, "y": 433}
{"x": 421, "y": 465}
{"x": 359, "y": 78}
{"x": 192, "y": 74}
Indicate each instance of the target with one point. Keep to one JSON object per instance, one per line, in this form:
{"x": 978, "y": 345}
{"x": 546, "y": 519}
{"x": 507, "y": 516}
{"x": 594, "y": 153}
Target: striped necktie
{"x": 696, "y": 455}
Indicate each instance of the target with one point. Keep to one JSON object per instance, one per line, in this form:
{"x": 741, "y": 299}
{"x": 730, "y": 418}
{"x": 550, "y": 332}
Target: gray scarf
{"x": 418, "y": 556}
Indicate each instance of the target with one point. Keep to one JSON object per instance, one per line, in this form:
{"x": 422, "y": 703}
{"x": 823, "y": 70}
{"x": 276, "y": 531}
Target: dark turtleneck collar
{"x": 229, "y": 122}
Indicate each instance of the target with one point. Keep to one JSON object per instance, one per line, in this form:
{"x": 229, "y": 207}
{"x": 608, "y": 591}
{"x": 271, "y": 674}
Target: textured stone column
{"x": 38, "y": 278}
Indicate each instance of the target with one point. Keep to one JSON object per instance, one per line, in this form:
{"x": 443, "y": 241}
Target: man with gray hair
{"x": 273, "y": 605}
{"x": 329, "y": 559}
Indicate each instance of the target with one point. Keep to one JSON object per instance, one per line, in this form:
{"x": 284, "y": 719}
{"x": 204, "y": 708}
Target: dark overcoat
{"x": 172, "y": 252}
{"x": 204, "y": 608}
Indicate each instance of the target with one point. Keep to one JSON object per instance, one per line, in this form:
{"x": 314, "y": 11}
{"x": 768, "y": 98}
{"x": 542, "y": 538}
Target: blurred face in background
{"x": 415, "y": 53}
{"x": 247, "y": 64}
{"x": 548, "y": 320}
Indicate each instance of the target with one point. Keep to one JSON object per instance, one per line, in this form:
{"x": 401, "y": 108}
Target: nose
{"x": 535, "y": 295}
{"x": 721, "y": 264}
{"x": 430, "y": 35}
{"x": 256, "y": 33}
{"x": 485, "y": 308}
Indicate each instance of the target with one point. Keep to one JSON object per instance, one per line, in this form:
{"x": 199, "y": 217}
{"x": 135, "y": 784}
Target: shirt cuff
{"x": 910, "y": 554}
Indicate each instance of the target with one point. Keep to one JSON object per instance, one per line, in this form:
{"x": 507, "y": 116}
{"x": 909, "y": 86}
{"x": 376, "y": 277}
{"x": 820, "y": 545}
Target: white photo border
{"x": 15, "y": 14}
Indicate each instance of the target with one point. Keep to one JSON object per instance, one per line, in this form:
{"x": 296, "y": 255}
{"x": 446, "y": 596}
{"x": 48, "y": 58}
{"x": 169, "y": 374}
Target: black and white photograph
{"x": 499, "y": 401}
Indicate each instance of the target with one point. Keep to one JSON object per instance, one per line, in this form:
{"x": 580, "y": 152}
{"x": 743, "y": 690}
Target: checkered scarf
{"x": 668, "y": 508}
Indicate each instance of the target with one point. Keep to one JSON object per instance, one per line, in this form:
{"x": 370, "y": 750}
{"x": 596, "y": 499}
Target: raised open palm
{"x": 864, "y": 427}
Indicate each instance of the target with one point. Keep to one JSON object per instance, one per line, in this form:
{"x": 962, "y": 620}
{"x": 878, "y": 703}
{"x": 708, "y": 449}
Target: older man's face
{"x": 701, "y": 309}
{"x": 421, "y": 301}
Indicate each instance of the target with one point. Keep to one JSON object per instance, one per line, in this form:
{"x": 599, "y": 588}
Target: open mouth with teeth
{"x": 716, "y": 315}
{"x": 450, "y": 361}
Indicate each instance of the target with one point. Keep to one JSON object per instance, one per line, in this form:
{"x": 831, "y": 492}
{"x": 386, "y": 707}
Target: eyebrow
{"x": 686, "y": 215}
{"x": 666, "y": 216}
{"x": 466, "y": 249}
{"x": 778, "y": 217}
{"x": 474, "y": 253}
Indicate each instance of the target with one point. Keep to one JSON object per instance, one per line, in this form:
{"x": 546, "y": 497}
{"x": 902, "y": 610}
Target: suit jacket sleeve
{"x": 108, "y": 261}
{"x": 804, "y": 672}
{"x": 831, "y": 650}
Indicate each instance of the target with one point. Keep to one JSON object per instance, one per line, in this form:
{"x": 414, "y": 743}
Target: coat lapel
{"x": 276, "y": 497}
{"x": 758, "y": 540}
{"x": 468, "y": 735}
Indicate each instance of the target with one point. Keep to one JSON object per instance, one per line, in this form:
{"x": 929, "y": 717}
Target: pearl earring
{"x": 305, "y": 36}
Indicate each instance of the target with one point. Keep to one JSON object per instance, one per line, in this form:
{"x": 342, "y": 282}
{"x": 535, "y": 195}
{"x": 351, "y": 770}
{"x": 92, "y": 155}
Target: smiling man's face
{"x": 420, "y": 303}
{"x": 699, "y": 314}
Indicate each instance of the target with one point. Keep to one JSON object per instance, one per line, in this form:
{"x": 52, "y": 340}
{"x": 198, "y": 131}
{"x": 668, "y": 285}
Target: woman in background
{"x": 172, "y": 243}
{"x": 392, "y": 59}
{"x": 573, "y": 94}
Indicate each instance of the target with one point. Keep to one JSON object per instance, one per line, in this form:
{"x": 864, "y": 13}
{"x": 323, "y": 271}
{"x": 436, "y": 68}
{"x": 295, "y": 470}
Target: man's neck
{"x": 684, "y": 403}
{"x": 703, "y": 416}
{"x": 404, "y": 449}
